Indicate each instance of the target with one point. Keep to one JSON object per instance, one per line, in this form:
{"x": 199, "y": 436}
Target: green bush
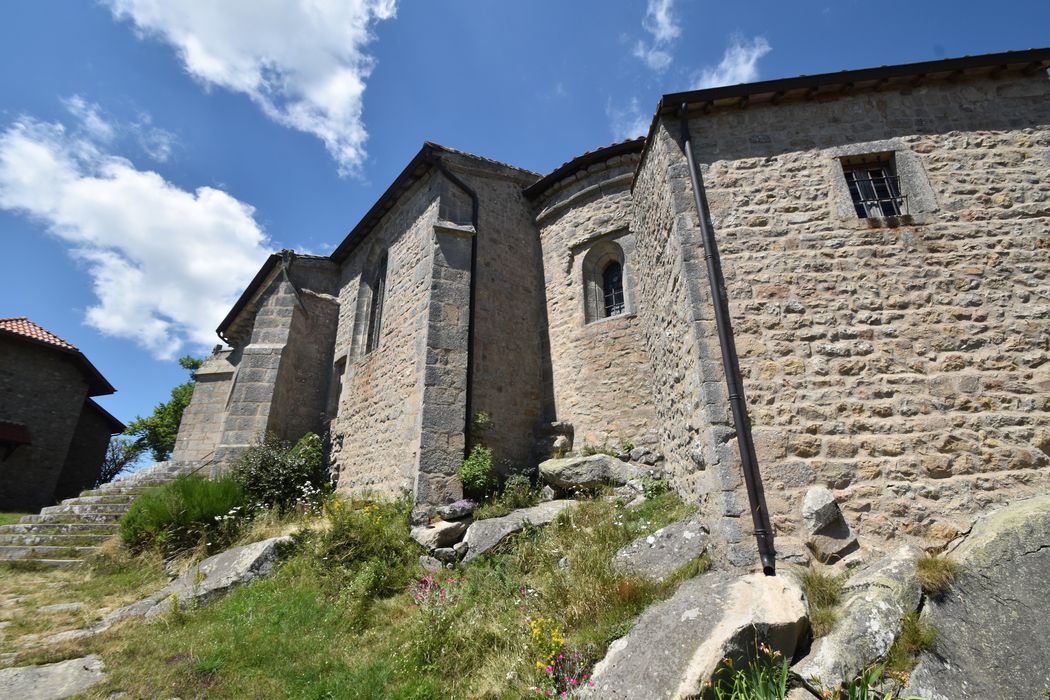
{"x": 184, "y": 514}
{"x": 278, "y": 475}
{"x": 477, "y": 475}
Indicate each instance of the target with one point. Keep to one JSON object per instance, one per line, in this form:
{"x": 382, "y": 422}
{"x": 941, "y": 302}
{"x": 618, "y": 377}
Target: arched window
{"x": 603, "y": 281}
{"x": 612, "y": 288}
{"x": 375, "y": 309}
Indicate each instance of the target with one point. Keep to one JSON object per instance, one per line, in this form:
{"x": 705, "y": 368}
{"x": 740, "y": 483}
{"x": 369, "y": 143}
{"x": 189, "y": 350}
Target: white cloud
{"x": 739, "y": 64}
{"x": 663, "y": 27}
{"x": 166, "y": 264}
{"x": 301, "y": 61}
{"x": 627, "y": 122}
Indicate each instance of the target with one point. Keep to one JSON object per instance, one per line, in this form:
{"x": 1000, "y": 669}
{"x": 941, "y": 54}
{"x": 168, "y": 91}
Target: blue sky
{"x": 152, "y": 153}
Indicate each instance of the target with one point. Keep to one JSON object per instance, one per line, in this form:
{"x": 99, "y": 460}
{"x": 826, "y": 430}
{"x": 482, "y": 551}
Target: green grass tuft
{"x": 936, "y": 574}
{"x": 822, "y": 589}
{"x": 916, "y": 636}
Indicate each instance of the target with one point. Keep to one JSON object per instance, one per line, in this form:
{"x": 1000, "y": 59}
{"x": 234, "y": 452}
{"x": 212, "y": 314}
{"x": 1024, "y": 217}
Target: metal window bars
{"x": 875, "y": 193}
{"x": 612, "y": 289}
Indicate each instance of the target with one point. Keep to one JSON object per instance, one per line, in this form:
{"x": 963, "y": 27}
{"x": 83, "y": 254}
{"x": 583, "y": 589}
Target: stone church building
{"x": 885, "y": 243}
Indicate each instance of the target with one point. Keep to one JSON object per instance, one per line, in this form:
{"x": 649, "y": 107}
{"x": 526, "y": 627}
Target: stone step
{"x": 108, "y": 529}
{"x": 45, "y": 552}
{"x": 116, "y": 491}
{"x": 51, "y": 563}
{"x": 118, "y": 508}
{"x": 70, "y": 518}
{"x": 109, "y": 499}
{"x": 59, "y": 540}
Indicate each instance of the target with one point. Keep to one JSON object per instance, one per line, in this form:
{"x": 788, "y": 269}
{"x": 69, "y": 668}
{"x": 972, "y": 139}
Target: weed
{"x": 477, "y": 475}
{"x": 936, "y": 574}
{"x": 916, "y": 636}
{"x": 278, "y": 475}
{"x": 822, "y": 589}
{"x": 764, "y": 677}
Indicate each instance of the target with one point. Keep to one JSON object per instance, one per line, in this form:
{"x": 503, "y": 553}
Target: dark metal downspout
{"x": 474, "y": 203}
{"x": 730, "y": 363}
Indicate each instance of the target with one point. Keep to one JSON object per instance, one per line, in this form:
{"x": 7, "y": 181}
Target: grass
{"x": 822, "y": 589}
{"x": 917, "y": 635}
{"x": 343, "y": 617}
{"x": 11, "y": 518}
{"x": 936, "y": 574}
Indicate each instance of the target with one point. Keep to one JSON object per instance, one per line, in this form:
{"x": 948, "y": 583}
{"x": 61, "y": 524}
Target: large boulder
{"x": 676, "y": 645}
{"x": 876, "y": 599}
{"x": 443, "y": 533}
{"x": 483, "y": 535}
{"x": 211, "y": 578}
{"x": 828, "y": 535}
{"x": 992, "y": 639}
{"x": 51, "y": 681}
{"x": 658, "y": 555}
{"x": 586, "y": 472}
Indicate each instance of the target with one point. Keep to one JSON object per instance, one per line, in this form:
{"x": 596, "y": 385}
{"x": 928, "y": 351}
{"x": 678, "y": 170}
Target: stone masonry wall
{"x": 200, "y": 431}
{"x": 87, "y": 451}
{"x": 45, "y": 391}
{"x": 375, "y": 435}
{"x": 509, "y": 343}
{"x": 902, "y": 365}
{"x": 601, "y": 382}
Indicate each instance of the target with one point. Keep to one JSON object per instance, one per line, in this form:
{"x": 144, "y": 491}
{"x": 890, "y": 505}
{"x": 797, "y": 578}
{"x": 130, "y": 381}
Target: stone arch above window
{"x": 605, "y": 281}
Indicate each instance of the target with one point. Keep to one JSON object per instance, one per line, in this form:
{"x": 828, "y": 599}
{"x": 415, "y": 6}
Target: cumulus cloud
{"x": 165, "y": 263}
{"x": 627, "y": 122}
{"x": 662, "y": 25}
{"x": 301, "y": 61}
{"x": 739, "y": 64}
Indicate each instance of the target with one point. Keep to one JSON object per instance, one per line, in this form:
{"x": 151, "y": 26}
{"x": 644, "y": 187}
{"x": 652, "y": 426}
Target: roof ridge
{"x": 448, "y": 149}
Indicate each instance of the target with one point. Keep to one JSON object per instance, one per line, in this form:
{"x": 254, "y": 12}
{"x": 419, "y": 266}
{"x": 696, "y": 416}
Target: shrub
{"x": 281, "y": 476}
{"x": 184, "y": 514}
{"x": 935, "y": 574}
{"x": 476, "y": 473}
{"x": 518, "y": 492}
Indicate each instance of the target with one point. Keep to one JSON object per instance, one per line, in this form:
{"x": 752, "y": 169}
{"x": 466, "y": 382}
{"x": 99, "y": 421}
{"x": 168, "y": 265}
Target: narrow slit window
{"x": 874, "y": 188}
{"x": 375, "y": 311}
{"x": 612, "y": 289}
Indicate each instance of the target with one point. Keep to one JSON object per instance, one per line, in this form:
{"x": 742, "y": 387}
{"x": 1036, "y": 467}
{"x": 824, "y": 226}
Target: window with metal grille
{"x": 612, "y": 288}
{"x": 875, "y": 188}
{"x": 375, "y": 312}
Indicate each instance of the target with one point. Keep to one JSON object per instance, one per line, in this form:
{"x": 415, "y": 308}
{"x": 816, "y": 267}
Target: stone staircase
{"x": 64, "y": 534}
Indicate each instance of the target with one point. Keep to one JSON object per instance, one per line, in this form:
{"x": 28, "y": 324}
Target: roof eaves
{"x": 117, "y": 425}
{"x": 583, "y": 161}
{"x": 247, "y": 295}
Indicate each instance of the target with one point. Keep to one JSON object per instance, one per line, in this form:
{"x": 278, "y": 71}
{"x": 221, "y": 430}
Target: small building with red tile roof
{"x": 53, "y": 436}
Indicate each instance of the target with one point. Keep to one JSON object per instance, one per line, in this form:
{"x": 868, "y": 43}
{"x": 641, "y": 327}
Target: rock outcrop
{"x": 876, "y": 599}
{"x": 586, "y": 472}
{"x": 992, "y": 639}
{"x": 443, "y": 533}
{"x": 661, "y": 553}
{"x": 51, "y": 681}
{"x": 676, "y": 645}
{"x": 483, "y": 535}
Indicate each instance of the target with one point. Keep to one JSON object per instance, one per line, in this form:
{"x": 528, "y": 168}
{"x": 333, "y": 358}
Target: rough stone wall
{"x": 87, "y": 450}
{"x": 301, "y": 390}
{"x": 45, "y": 391}
{"x": 600, "y": 368}
{"x": 509, "y": 335}
{"x": 200, "y": 431}
{"x": 375, "y": 434}
{"x": 902, "y": 365}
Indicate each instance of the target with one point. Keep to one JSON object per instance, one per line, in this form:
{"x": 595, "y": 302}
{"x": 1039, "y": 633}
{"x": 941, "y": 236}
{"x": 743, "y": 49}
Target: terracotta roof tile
{"x": 20, "y": 325}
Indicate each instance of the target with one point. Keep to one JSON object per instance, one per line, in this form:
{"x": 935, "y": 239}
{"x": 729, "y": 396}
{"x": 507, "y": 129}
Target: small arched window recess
{"x": 375, "y": 309}
{"x": 612, "y": 288}
{"x": 603, "y": 282}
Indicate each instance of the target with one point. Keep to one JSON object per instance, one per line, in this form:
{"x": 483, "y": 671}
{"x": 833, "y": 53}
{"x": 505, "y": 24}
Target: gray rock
{"x": 457, "y": 510}
{"x": 446, "y": 554}
{"x": 420, "y": 515}
{"x": 646, "y": 456}
{"x": 876, "y": 599}
{"x": 51, "y": 681}
{"x": 210, "y": 579}
{"x": 992, "y": 640}
{"x": 676, "y": 645}
{"x": 661, "y": 553}
{"x": 585, "y": 472}
{"x": 61, "y": 607}
{"x": 547, "y": 494}
{"x": 429, "y": 563}
{"x": 483, "y": 535}
{"x": 443, "y": 533}
{"x": 828, "y": 535}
